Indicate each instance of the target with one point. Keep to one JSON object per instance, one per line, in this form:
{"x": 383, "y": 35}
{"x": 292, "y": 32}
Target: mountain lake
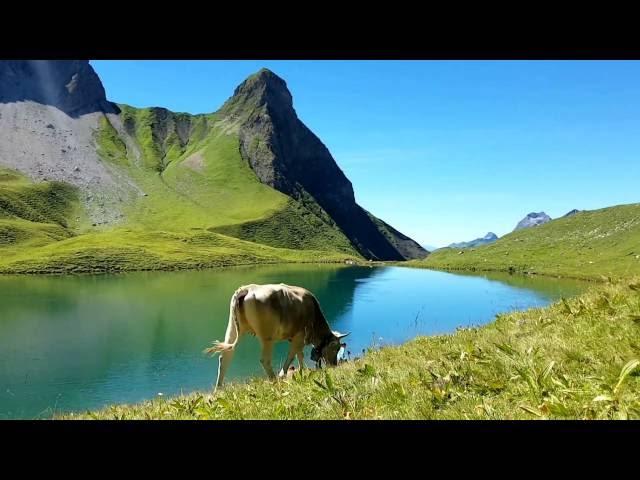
{"x": 73, "y": 343}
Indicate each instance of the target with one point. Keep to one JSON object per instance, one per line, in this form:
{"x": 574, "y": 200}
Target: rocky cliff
{"x": 533, "y": 219}
{"x": 287, "y": 156}
{"x": 69, "y": 85}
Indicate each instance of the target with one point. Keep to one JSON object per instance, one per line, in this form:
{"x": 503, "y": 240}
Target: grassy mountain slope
{"x": 204, "y": 183}
{"x": 194, "y": 188}
{"x": 289, "y": 157}
{"x": 122, "y": 249}
{"x": 32, "y": 215}
{"x": 585, "y": 245}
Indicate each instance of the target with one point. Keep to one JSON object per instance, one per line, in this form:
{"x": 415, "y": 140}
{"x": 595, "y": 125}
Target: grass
{"x": 588, "y": 245}
{"x": 576, "y": 359}
{"x": 125, "y": 250}
{"x": 45, "y": 202}
{"x": 206, "y": 184}
{"x": 34, "y": 215}
{"x": 291, "y": 227}
{"x": 209, "y": 185}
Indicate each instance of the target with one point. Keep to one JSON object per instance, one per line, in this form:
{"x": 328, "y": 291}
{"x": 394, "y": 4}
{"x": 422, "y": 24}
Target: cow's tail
{"x": 233, "y": 329}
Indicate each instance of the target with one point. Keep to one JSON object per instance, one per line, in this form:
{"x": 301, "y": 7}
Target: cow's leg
{"x": 223, "y": 365}
{"x": 300, "y": 360}
{"x": 265, "y": 358}
{"x": 290, "y": 356}
{"x": 295, "y": 348}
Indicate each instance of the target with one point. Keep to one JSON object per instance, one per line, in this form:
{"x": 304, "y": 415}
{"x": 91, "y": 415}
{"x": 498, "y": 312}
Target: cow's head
{"x": 329, "y": 348}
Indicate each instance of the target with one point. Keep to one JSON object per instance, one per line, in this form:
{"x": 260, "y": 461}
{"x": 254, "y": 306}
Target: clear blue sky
{"x": 442, "y": 150}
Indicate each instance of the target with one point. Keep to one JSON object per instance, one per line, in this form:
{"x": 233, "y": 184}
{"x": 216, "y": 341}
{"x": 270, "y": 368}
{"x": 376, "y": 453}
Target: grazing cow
{"x": 275, "y": 313}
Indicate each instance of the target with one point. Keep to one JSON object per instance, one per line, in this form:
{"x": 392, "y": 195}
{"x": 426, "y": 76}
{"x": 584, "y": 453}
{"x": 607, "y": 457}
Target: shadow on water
{"x": 551, "y": 287}
{"x": 82, "y": 342}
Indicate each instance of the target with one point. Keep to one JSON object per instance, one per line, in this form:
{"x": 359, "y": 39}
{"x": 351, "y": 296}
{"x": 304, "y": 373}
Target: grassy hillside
{"x": 290, "y": 227}
{"x": 588, "y": 244}
{"x": 34, "y": 215}
{"x": 199, "y": 205}
{"x": 122, "y": 250}
{"x": 577, "y": 359}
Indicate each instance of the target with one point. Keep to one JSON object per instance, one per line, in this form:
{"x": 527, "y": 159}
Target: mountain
{"x": 430, "y": 248}
{"x": 488, "y": 238}
{"x": 594, "y": 243}
{"x": 86, "y": 184}
{"x": 571, "y": 213}
{"x": 287, "y": 156}
{"x": 71, "y": 86}
{"x": 532, "y": 220}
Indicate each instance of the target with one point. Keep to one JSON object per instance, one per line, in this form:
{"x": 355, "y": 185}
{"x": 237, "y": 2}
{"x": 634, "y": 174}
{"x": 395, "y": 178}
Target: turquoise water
{"x": 82, "y": 342}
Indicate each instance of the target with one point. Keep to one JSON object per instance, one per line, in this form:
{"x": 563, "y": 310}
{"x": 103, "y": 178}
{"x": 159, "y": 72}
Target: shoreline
{"x": 587, "y": 278}
{"x": 159, "y": 270}
{"x": 170, "y": 268}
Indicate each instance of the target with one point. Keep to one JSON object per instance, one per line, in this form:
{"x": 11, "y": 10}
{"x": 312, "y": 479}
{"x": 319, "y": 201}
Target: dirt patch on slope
{"x": 195, "y": 162}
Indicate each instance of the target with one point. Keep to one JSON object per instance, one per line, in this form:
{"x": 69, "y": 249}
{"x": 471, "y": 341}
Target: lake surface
{"x": 82, "y": 342}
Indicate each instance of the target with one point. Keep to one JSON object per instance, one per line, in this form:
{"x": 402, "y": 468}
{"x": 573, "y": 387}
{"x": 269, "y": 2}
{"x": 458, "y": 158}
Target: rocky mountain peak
{"x": 289, "y": 157}
{"x": 533, "y": 219}
{"x": 262, "y": 89}
{"x": 72, "y": 86}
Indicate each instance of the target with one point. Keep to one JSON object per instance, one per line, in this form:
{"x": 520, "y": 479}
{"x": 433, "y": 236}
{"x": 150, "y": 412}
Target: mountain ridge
{"x": 490, "y": 237}
{"x": 289, "y": 157}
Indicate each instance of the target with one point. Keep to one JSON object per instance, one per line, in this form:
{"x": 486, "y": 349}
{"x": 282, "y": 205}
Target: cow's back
{"x": 277, "y": 311}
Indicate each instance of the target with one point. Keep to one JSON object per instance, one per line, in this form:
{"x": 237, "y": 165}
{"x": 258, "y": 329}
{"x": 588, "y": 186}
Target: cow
{"x": 275, "y": 313}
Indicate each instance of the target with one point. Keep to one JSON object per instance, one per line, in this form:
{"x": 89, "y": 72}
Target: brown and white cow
{"x": 275, "y": 313}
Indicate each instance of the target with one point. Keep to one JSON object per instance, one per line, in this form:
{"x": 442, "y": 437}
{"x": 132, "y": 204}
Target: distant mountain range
{"x": 488, "y": 238}
{"x": 534, "y": 219}
{"x": 531, "y": 220}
